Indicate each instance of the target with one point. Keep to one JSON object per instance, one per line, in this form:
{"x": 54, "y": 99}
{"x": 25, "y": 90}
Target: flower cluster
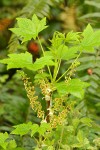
{"x": 59, "y": 119}
{"x": 46, "y": 89}
{"x": 35, "y": 104}
{"x": 72, "y": 71}
{"x": 58, "y": 104}
{"x": 60, "y": 111}
{"x": 56, "y": 108}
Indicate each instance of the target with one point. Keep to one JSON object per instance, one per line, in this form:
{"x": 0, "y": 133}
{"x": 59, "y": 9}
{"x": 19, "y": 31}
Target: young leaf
{"x": 3, "y": 137}
{"x": 72, "y": 37}
{"x": 64, "y": 53}
{"x": 57, "y": 40}
{"x": 70, "y": 52}
{"x": 29, "y": 29}
{"x": 22, "y": 129}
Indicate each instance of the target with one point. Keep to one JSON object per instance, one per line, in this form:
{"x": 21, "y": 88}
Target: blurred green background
{"x": 64, "y": 16}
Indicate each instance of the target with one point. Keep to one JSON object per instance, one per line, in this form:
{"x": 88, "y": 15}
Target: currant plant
{"x": 61, "y": 126}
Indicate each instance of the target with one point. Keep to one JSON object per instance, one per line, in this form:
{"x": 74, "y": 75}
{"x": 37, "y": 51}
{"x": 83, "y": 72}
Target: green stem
{"x": 62, "y": 131}
{"x": 59, "y": 62}
{"x": 69, "y": 67}
{"x": 56, "y": 69}
{"x": 44, "y": 55}
{"x": 40, "y": 141}
{"x": 48, "y": 111}
{"x": 41, "y": 46}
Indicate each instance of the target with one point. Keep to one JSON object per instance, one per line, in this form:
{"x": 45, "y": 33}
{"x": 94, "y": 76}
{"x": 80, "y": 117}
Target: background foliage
{"x": 62, "y": 15}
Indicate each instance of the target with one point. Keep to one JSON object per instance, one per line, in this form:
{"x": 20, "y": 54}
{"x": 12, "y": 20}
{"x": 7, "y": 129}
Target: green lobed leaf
{"x": 71, "y": 52}
{"x": 43, "y": 128}
{"x": 25, "y": 29}
{"x": 86, "y": 121}
{"x": 61, "y": 88}
{"x": 24, "y": 60}
{"x": 40, "y": 129}
{"x": 22, "y": 129}
{"x": 50, "y": 148}
{"x": 74, "y": 87}
{"x": 87, "y": 31}
{"x": 83, "y": 141}
{"x": 39, "y": 25}
{"x": 75, "y": 123}
{"x": 91, "y": 39}
{"x": 3, "y": 138}
{"x": 28, "y": 29}
{"x": 80, "y": 136}
{"x": 43, "y": 61}
{"x": 34, "y": 129}
{"x": 18, "y": 61}
{"x": 12, "y": 144}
